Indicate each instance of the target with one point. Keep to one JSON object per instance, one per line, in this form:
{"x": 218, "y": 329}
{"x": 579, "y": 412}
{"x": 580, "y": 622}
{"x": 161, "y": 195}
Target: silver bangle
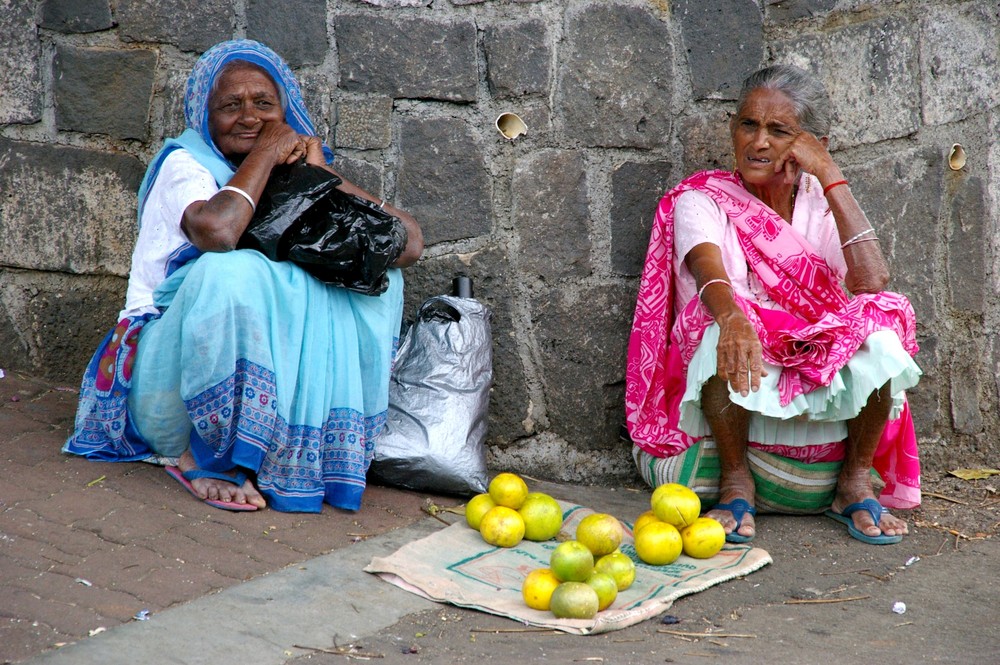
{"x": 717, "y": 280}
{"x": 854, "y": 239}
{"x": 858, "y": 241}
{"x": 237, "y": 190}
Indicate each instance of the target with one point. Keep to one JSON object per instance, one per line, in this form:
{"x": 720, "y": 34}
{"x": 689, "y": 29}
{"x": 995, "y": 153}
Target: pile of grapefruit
{"x": 585, "y": 575}
{"x": 508, "y": 513}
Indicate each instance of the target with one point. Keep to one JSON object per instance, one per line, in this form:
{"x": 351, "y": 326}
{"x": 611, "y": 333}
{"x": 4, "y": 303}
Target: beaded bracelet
{"x": 854, "y": 239}
{"x": 827, "y": 189}
{"x": 237, "y": 190}
{"x": 717, "y": 280}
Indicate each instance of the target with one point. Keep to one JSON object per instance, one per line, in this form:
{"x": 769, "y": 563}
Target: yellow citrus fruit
{"x": 538, "y": 587}
{"x": 571, "y": 561}
{"x": 478, "y": 506}
{"x": 509, "y": 490}
{"x": 606, "y": 588}
{"x": 675, "y": 504}
{"x": 619, "y": 566}
{"x": 643, "y": 520}
{"x": 658, "y": 543}
{"x": 703, "y": 538}
{"x": 574, "y": 600}
{"x": 502, "y": 527}
{"x": 601, "y": 533}
{"x": 542, "y": 516}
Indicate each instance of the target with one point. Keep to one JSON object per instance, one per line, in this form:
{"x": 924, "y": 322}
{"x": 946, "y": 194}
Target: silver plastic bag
{"x": 439, "y": 393}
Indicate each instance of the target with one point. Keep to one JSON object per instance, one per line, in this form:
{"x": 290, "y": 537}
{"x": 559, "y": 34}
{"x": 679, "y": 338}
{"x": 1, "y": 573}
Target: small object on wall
{"x": 510, "y": 125}
{"x": 956, "y": 157}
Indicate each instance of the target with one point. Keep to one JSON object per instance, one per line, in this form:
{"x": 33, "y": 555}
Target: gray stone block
{"x": 582, "y": 337}
{"x": 517, "y": 59}
{"x": 551, "y": 213}
{"x": 58, "y": 320}
{"x": 960, "y": 58}
{"x": 636, "y": 190}
{"x": 21, "y": 88}
{"x": 790, "y": 10}
{"x": 392, "y": 4}
{"x": 364, "y": 122}
{"x": 925, "y": 397}
{"x": 707, "y": 142}
{"x": 364, "y": 174}
{"x": 966, "y": 411}
{"x": 105, "y": 91}
{"x": 870, "y": 70}
{"x": 967, "y": 245}
{"x": 443, "y": 180}
{"x": 718, "y": 61}
{"x": 296, "y": 29}
{"x": 616, "y": 80}
{"x": 901, "y": 194}
{"x": 407, "y": 57}
{"x": 76, "y": 15}
{"x": 67, "y": 209}
{"x": 489, "y": 269}
{"x": 191, "y": 25}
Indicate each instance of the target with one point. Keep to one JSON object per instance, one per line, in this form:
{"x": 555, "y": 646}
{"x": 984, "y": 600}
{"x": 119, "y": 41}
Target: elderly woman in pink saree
{"x": 767, "y": 363}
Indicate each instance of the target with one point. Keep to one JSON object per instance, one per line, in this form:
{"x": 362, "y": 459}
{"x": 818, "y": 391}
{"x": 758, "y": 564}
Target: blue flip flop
{"x": 739, "y": 508}
{"x": 873, "y": 508}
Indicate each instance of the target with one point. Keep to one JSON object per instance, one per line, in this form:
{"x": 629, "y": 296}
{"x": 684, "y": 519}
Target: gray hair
{"x": 808, "y": 96}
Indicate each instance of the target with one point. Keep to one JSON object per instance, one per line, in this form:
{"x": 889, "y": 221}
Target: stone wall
{"x": 621, "y": 97}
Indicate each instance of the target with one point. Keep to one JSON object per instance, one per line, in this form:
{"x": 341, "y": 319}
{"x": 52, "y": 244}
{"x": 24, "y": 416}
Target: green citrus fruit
{"x": 643, "y": 520}
{"x": 606, "y": 588}
{"x": 571, "y": 561}
{"x": 703, "y": 538}
{"x": 478, "y": 506}
{"x": 619, "y": 566}
{"x": 538, "y": 587}
{"x": 675, "y": 504}
{"x": 542, "y": 516}
{"x": 601, "y": 533}
{"x": 658, "y": 543}
{"x": 574, "y": 600}
{"x": 508, "y": 489}
{"x": 502, "y": 527}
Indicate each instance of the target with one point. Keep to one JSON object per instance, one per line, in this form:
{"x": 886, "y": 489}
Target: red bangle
{"x": 827, "y": 189}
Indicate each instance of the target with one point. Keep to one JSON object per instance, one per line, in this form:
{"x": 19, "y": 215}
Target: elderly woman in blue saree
{"x": 266, "y": 386}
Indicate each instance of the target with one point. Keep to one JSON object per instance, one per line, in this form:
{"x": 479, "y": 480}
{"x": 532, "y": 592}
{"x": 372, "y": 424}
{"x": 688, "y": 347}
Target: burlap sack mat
{"x": 456, "y": 566}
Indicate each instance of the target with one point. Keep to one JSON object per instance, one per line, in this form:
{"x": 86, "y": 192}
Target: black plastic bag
{"x": 336, "y": 237}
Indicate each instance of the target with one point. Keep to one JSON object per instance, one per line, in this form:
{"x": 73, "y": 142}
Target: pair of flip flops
{"x": 739, "y": 508}
{"x": 185, "y": 478}
{"x": 873, "y": 508}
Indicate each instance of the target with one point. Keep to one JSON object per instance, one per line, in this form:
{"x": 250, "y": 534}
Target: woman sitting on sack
{"x": 752, "y": 377}
{"x": 268, "y": 384}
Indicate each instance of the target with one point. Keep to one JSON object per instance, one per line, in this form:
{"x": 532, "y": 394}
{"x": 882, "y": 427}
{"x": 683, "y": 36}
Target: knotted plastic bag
{"x": 338, "y": 238}
{"x": 439, "y": 391}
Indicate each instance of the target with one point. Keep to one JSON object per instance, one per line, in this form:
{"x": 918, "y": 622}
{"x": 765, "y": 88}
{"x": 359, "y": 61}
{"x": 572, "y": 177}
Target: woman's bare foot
{"x": 855, "y": 490}
{"x": 737, "y": 486}
{"x": 220, "y": 490}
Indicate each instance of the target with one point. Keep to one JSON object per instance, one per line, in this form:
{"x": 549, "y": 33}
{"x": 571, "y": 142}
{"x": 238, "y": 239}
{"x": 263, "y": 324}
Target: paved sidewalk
{"x": 85, "y": 547}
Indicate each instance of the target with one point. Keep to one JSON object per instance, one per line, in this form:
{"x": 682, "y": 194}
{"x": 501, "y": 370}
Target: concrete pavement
{"x": 86, "y": 547}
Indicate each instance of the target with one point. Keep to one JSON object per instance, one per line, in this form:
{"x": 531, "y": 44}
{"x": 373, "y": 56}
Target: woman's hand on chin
{"x": 806, "y": 153}
{"x": 281, "y": 143}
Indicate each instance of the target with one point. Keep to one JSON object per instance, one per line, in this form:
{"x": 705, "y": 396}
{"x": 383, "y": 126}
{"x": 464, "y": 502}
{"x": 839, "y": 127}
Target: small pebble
{"x": 899, "y": 607}
{"x": 669, "y": 620}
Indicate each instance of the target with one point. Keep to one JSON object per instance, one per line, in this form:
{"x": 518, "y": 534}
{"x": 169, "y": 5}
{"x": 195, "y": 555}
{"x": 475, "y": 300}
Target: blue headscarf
{"x": 197, "y": 138}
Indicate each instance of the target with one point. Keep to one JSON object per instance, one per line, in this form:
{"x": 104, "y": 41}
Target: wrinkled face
{"x": 244, "y": 98}
{"x": 761, "y": 130}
